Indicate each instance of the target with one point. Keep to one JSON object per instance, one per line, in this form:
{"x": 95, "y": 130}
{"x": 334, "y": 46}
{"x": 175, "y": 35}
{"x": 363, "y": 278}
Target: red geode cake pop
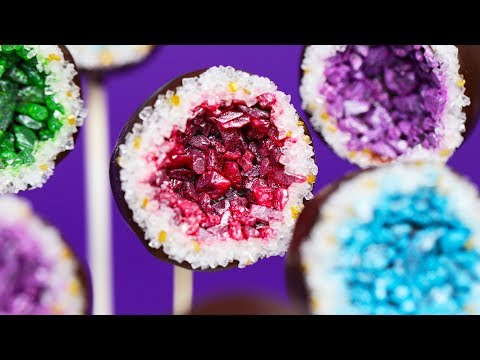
{"x": 376, "y": 104}
{"x": 213, "y": 170}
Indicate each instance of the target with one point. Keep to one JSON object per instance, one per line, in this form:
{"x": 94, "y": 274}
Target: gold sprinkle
{"x": 367, "y": 152}
{"x": 307, "y": 139}
{"x": 295, "y": 212}
{"x": 461, "y": 82}
{"x": 137, "y": 142}
{"x": 233, "y": 86}
{"x": 106, "y": 58}
{"x": 370, "y": 184}
{"x": 307, "y": 71}
{"x": 304, "y": 268}
{"x": 314, "y": 304}
{"x": 248, "y": 263}
{"x": 175, "y": 100}
{"x": 300, "y": 123}
{"x": 289, "y": 134}
{"x": 246, "y": 91}
{"x": 67, "y": 254}
{"x": 331, "y": 240}
{"x": 311, "y": 179}
{"x": 144, "y": 203}
{"x": 69, "y": 94}
{"x": 469, "y": 245}
{"x": 44, "y": 167}
{"x": 331, "y": 128}
{"x": 418, "y": 163}
{"x": 196, "y": 246}
{"x": 352, "y": 154}
{"x": 162, "y": 237}
{"x": 324, "y": 116}
{"x": 74, "y": 288}
{"x": 57, "y": 309}
{"x": 311, "y": 107}
{"x": 54, "y": 57}
{"x": 445, "y": 153}
{"x": 71, "y": 120}
{"x": 118, "y": 159}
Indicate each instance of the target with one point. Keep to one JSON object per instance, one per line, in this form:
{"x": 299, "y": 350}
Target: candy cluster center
{"x": 413, "y": 257}
{"x": 24, "y": 274}
{"x": 223, "y": 175}
{"x": 27, "y": 114}
{"x": 388, "y": 98}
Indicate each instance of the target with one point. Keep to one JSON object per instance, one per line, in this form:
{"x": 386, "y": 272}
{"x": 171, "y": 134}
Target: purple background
{"x": 143, "y": 285}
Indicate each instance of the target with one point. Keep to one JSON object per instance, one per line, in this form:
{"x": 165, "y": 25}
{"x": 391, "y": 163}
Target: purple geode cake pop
{"x": 39, "y": 274}
{"x": 376, "y": 104}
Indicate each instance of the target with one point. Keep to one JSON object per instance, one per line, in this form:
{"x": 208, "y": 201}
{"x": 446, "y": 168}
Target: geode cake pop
{"x": 213, "y": 170}
{"x": 40, "y": 110}
{"x": 39, "y": 274}
{"x": 106, "y": 57}
{"x": 401, "y": 239}
{"x": 376, "y": 104}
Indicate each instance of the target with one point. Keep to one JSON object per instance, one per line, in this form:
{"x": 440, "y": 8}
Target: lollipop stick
{"x": 182, "y": 290}
{"x": 98, "y": 197}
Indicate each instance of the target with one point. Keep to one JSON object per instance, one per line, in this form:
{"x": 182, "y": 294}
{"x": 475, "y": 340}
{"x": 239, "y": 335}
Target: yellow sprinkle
{"x": 71, "y": 120}
{"x": 137, "y": 142}
{"x": 469, "y": 309}
{"x": 331, "y": 240}
{"x": 44, "y": 167}
{"x": 74, "y": 288}
{"x": 196, "y": 246}
{"x": 367, "y": 151}
{"x": 445, "y": 153}
{"x": 106, "y": 58}
{"x": 461, "y": 82}
{"x": 370, "y": 184}
{"x": 311, "y": 107}
{"x": 246, "y": 91}
{"x": 233, "y": 86}
{"x": 469, "y": 245}
{"x": 314, "y": 304}
{"x": 331, "y": 128}
{"x": 300, "y": 123}
{"x": 418, "y": 163}
{"x": 289, "y": 134}
{"x": 304, "y": 268}
{"x": 53, "y": 57}
{"x": 324, "y": 116}
{"x": 57, "y": 309}
{"x": 67, "y": 254}
{"x": 248, "y": 263}
{"x": 352, "y": 154}
{"x": 295, "y": 212}
{"x": 69, "y": 94}
{"x": 307, "y": 71}
{"x": 162, "y": 237}
{"x": 118, "y": 159}
{"x": 311, "y": 179}
{"x": 175, "y": 100}
{"x": 307, "y": 139}
{"x": 144, "y": 203}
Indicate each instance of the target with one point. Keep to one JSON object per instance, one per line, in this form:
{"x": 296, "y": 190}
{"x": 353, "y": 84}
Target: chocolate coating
{"x": 243, "y": 304}
{"x": 115, "y": 182}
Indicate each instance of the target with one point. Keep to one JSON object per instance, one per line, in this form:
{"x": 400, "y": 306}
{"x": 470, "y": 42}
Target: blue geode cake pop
{"x": 402, "y": 239}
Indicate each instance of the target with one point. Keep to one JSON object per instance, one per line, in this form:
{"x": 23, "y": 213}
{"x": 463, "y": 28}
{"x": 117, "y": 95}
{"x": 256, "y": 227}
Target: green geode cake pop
{"x": 40, "y": 111}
